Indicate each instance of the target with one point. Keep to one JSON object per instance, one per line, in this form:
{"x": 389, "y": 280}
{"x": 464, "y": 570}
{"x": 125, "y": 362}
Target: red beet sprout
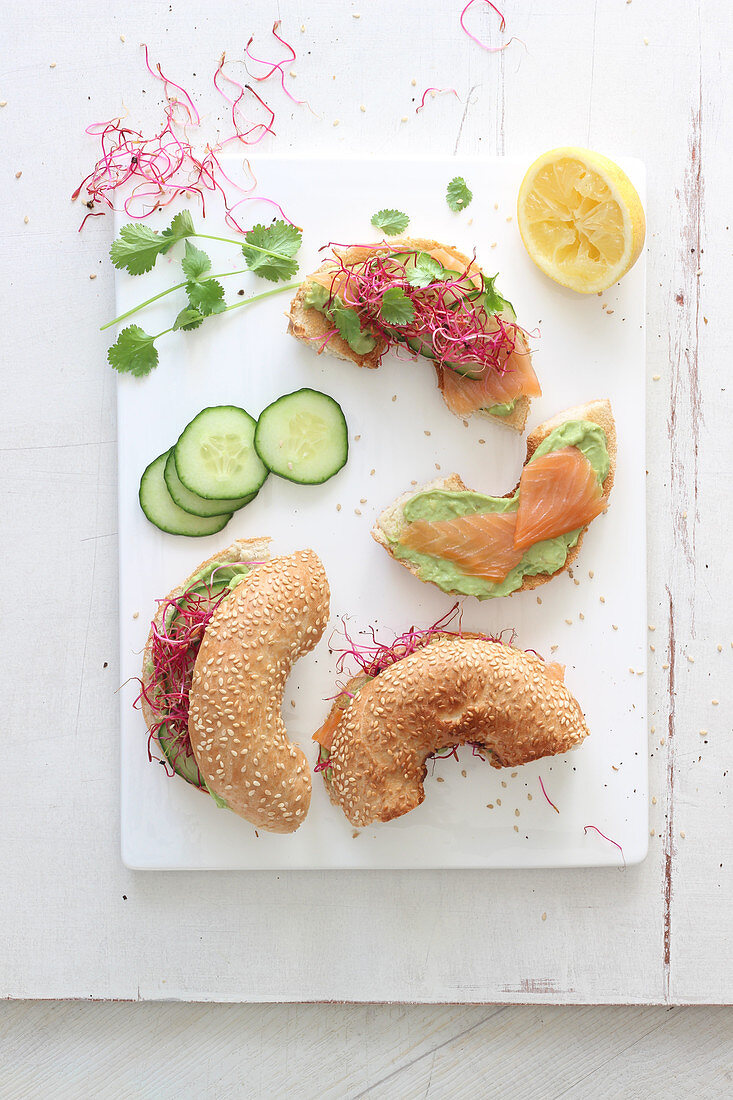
{"x": 448, "y": 317}
{"x": 174, "y": 649}
{"x": 276, "y": 66}
{"x": 432, "y": 92}
{"x": 614, "y": 842}
{"x": 502, "y": 27}
{"x": 547, "y": 795}
{"x": 152, "y": 171}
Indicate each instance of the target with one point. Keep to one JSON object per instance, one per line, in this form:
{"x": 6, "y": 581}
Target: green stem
{"x": 264, "y": 294}
{"x": 179, "y": 286}
{"x": 228, "y": 240}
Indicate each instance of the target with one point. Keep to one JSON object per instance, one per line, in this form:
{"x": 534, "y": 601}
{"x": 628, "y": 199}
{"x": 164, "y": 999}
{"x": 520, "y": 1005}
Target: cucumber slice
{"x": 215, "y": 456}
{"x": 303, "y": 437}
{"x": 162, "y": 511}
{"x": 196, "y": 505}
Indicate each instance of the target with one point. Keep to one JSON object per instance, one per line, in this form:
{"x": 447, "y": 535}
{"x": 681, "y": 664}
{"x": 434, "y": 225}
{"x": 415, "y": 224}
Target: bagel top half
{"x": 453, "y": 691}
{"x": 277, "y": 614}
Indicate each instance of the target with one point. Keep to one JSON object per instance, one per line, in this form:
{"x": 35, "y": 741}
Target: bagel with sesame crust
{"x": 273, "y": 617}
{"x": 454, "y": 690}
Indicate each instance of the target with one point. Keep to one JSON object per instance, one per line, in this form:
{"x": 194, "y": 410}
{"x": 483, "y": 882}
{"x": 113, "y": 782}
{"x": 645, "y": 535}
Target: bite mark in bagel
{"x": 454, "y": 690}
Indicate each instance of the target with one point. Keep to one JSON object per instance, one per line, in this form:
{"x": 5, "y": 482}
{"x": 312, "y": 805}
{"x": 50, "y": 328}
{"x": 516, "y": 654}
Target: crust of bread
{"x": 391, "y": 521}
{"x": 452, "y": 692}
{"x": 274, "y": 616}
{"x": 310, "y": 326}
{"x": 257, "y": 549}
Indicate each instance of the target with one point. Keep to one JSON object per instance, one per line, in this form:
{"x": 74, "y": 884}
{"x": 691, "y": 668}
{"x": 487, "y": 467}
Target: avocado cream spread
{"x": 544, "y": 557}
{"x": 346, "y": 320}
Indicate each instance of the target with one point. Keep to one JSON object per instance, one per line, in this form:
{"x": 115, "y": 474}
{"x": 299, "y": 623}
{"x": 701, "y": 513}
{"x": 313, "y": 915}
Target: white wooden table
{"x": 648, "y": 78}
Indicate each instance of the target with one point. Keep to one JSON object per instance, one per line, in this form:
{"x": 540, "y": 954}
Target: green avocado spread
{"x": 345, "y": 319}
{"x": 544, "y": 557}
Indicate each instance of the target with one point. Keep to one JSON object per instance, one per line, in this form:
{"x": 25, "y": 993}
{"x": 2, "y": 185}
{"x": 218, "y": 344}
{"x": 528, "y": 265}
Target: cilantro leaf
{"x": 269, "y": 250}
{"x": 180, "y": 227}
{"x": 422, "y": 270}
{"x": 134, "y": 352}
{"x": 457, "y": 194}
{"x": 396, "y": 307}
{"x": 493, "y": 301}
{"x": 138, "y": 246}
{"x": 347, "y": 322}
{"x": 207, "y": 296}
{"x": 195, "y": 263}
{"x": 391, "y": 222}
{"x": 188, "y": 319}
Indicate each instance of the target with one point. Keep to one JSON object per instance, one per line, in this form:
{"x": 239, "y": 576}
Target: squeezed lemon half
{"x": 580, "y": 218}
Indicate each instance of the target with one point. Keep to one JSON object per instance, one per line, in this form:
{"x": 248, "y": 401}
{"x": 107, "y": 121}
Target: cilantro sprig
{"x": 391, "y": 222}
{"x": 457, "y": 195}
{"x": 396, "y": 307}
{"x": 269, "y": 252}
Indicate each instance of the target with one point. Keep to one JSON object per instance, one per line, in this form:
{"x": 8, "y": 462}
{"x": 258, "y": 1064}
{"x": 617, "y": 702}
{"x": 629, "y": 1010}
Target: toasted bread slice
{"x": 312, "y": 327}
{"x": 391, "y": 522}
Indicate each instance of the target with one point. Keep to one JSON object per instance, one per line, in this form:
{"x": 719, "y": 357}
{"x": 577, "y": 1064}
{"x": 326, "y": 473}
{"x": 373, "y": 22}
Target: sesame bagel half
{"x": 276, "y": 615}
{"x": 453, "y": 691}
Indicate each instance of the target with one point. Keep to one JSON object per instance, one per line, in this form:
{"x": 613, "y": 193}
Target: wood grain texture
{"x": 75, "y": 923}
{"x": 360, "y": 1052}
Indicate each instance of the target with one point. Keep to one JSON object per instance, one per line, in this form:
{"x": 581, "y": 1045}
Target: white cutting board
{"x": 400, "y": 429}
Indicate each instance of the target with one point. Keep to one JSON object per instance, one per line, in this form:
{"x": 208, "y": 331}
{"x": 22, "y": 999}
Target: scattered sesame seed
{"x": 516, "y": 828}
{"x": 372, "y": 473}
{"x": 539, "y": 599}
{"x": 603, "y": 599}
{"x": 464, "y": 773}
{"x": 293, "y": 73}
{"x": 650, "y": 627}
{"x": 591, "y": 574}
{"x": 362, "y": 108}
{"x": 646, "y": 41}
{"x": 516, "y": 813}
{"x": 122, "y": 38}
{"x": 503, "y": 783}
{"x": 26, "y": 219}
{"x": 355, "y": 15}
{"x": 440, "y": 779}
{"x": 569, "y": 622}
{"x": 404, "y": 118}
{"x": 654, "y": 800}
{"x": 715, "y": 702}
{"x": 544, "y": 916}
{"x": 489, "y": 805}
{"x": 656, "y": 377}
{"x": 498, "y": 802}
{"x": 3, "y": 102}
{"x": 631, "y": 671}
{"x": 437, "y": 465}
{"x": 682, "y": 835}
{"x": 357, "y": 438}
{"x": 652, "y": 648}
{"x": 496, "y": 206}
{"x": 136, "y": 614}
{"x": 335, "y": 122}
{"x": 92, "y": 276}
{"x": 703, "y": 733}
{"x": 509, "y": 218}
{"x": 581, "y": 615}
{"x": 338, "y": 507}
{"x": 18, "y": 175}
{"x": 665, "y": 667}
{"x": 482, "y": 440}
{"x": 614, "y": 626}
{"x": 363, "y": 500}
{"x": 699, "y": 272}
{"x": 651, "y": 832}
{"x": 413, "y": 82}
{"x": 690, "y": 659}
{"x": 357, "y": 511}
{"x": 427, "y": 432}
{"x": 529, "y": 797}
{"x": 720, "y": 649}
{"x": 493, "y": 244}
{"x": 640, "y": 672}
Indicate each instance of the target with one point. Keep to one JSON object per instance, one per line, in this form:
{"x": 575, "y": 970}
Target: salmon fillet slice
{"x": 464, "y": 395}
{"x": 481, "y": 545}
{"x": 558, "y": 493}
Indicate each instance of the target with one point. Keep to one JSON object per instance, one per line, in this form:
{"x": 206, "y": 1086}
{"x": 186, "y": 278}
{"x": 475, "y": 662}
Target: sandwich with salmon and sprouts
{"x": 433, "y": 301}
{"x": 471, "y": 544}
{"x": 427, "y": 694}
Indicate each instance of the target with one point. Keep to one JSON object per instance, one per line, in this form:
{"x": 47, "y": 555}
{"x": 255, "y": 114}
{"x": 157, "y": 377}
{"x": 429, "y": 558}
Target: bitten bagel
{"x": 453, "y": 691}
{"x": 235, "y": 724}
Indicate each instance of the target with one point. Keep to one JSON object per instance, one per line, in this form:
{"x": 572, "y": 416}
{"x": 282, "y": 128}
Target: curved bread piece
{"x": 240, "y": 550}
{"x": 235, "y": 723}
{"x": 453, "y": 691}
{"x": 310, "y": 326}
{"x": 391, "y": 521}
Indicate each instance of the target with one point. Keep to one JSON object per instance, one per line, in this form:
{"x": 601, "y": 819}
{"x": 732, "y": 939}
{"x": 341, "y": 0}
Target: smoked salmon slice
{"x": 480, "y": 545}
{"x": 464, "y": 395}
{"x": 558, "y": 493}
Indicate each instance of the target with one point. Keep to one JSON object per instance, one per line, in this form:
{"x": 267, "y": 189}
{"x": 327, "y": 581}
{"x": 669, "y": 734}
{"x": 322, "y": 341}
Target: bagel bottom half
{"x": 238, "y": 736}
{"x": 453, "y": 691}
